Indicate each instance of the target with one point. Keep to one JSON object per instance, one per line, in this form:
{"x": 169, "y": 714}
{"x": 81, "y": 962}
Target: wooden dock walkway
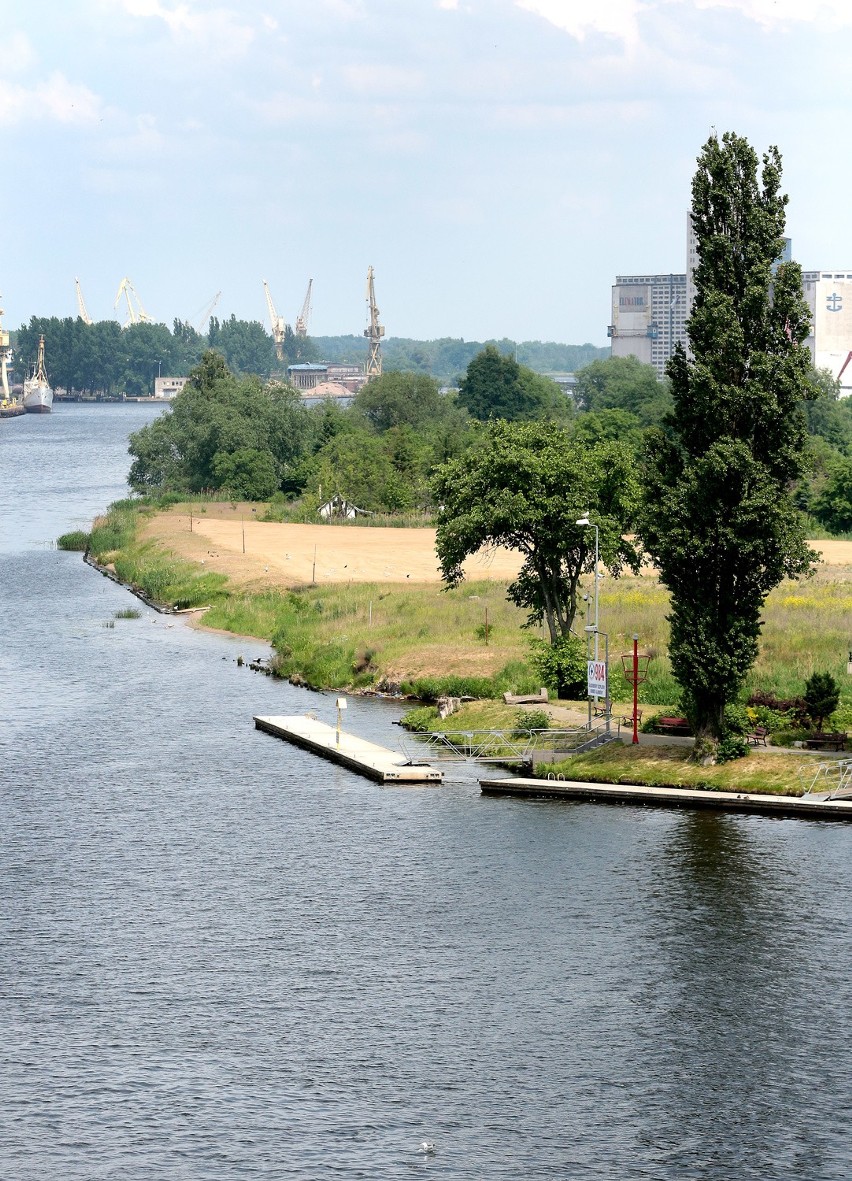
{"x": 814, "y": 806}
{"x": 378, "y": 763}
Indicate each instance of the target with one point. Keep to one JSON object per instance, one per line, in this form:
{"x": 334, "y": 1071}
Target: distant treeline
{"x": 104, "y": 359}
{"x": 447, "y": 358}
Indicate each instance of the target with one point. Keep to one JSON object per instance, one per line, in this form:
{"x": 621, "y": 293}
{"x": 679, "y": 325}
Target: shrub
{"x": 793, "y": 709}
{"x": 534, "y": 719}
{"x": 822, "y": 695}
{"x": 736, "y": 722}
{"x": 732, "y": 746}
{"x": 77, "y": 541}
{"x": 561, "y": 666}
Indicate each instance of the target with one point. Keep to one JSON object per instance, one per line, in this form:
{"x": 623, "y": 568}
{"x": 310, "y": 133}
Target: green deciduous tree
{"x": 496, "y": 386}
{"x": 717, "y": 516}
{"x": 623, "y": 383}
{"x": 217, "y": 426}
{"x": 524, "y": 486}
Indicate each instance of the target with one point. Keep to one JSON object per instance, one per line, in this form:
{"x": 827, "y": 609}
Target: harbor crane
{"x": 204, "y": 320}
{"x": 278, "y": 323}
{"x": 136, "y": 314}
{"x": 304, "y": 315}
{"x": 82, "y": 311}
{"x": 374, "y": 333}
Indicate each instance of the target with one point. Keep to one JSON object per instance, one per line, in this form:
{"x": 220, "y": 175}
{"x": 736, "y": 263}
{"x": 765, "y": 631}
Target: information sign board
{"x": 597, "y": 678}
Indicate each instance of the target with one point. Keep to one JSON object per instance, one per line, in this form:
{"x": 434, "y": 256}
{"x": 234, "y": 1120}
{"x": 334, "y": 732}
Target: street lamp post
{"x": 585, "y": 521}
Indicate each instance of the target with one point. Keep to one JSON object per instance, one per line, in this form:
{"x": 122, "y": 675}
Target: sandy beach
{"x": 293, "y": 555}
{"x": 254, "y": 553}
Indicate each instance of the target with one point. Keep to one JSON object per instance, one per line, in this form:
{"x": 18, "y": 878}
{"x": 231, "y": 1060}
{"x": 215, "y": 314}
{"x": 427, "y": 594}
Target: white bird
{"x": 427, "y": 1147}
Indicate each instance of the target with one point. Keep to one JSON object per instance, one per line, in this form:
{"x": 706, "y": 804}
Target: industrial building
{"x": 648, "y": 317}
{"x": 649, "y": 314}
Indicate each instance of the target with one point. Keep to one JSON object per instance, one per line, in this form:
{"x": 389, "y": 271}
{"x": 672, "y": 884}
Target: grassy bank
{"x": 155, "y": 573}
{"x": 423, "y": 640}
{"x": 668, "y": 766}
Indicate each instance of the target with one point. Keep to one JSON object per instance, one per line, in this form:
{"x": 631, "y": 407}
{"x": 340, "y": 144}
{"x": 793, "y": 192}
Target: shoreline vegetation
{"x": 412, "y": 638}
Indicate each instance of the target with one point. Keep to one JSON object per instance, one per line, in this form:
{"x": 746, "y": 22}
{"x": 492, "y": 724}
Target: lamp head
{"x": 583, "y": 521}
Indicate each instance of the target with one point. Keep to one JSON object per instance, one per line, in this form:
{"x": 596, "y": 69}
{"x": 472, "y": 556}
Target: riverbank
{"x": 376, "y": 615}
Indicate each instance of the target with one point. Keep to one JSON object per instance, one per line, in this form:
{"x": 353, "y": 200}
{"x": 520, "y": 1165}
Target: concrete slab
{"x": 376, "y": 762}
{"x": 810, "y": 807}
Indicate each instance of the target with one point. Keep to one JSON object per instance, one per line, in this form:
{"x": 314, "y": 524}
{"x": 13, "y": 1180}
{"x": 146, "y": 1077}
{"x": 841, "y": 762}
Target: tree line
{"x": 106, "y": 360}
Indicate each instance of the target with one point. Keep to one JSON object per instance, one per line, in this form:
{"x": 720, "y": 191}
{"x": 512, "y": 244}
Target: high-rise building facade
{"x": 649, "y": 314}
{"x": 648, "y": 317}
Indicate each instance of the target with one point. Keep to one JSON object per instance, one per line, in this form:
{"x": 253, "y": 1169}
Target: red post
{"x": 635, "y": 689}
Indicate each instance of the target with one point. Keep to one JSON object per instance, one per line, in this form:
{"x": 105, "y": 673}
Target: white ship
{"x": 38, "y": 396}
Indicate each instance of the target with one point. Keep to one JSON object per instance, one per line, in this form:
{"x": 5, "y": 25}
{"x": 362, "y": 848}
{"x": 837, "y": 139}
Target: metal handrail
{"x": 503, "y": 746}
{"x": 837, "y": 775}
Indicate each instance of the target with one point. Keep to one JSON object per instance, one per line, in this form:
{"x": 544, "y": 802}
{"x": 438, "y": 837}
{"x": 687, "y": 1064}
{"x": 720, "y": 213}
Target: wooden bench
{"x": 835, "y": 741}
{"x": 677, "y": 726}
{"x": 627, "y": 719}
{"x": 758, "y": 736}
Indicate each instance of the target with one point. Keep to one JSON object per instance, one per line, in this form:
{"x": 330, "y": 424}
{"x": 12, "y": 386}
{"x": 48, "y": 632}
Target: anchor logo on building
{"x": 834, "y": 303}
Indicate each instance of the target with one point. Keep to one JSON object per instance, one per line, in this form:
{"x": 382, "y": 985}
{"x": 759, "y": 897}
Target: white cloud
{"x": 620, "y": 18}
{"x": 220, "y": 32}
{"x": 383, "y": 79}
{"x": 830, "y": 13}
{"x": 616, "y": 18}
{"x": 55, "y": 100}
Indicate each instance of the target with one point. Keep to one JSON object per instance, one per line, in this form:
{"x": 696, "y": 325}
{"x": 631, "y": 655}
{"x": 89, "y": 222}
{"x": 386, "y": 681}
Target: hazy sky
{"x": 496, "y": 161}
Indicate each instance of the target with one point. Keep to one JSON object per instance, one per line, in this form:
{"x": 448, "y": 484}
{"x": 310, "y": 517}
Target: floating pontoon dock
{"x": 810, "y": 806}
{"x": 385, "y": 766}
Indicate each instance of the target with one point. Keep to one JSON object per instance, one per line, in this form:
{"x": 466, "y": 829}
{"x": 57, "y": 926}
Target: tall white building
{"x": 828, "y": 295}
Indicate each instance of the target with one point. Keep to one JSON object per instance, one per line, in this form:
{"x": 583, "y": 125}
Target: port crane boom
{"x": 136, "y": 314}
{"x": 374, "y": 332}
{"x": 304, "y": 315}
{"x": 82, "y": 311}
{"x": 278, "y": 323}
{"x": 201, "y": 324}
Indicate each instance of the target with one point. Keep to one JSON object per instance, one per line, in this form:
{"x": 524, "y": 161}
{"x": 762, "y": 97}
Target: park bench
{"x": 836, "y": 741}
{"x": 758, "y": 736}
{"x": 676, "y": 726}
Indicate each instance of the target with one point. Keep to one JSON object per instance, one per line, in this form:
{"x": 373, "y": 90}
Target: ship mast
{"x": 4, "y": 358}
{"x": 40, "y": 375}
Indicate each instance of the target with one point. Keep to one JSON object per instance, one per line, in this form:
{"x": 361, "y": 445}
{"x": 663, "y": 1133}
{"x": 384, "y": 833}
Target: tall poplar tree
{"x": 717, "y": 517}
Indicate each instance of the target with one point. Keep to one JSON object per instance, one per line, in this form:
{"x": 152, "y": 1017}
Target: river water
{"x": 224, "y": 958}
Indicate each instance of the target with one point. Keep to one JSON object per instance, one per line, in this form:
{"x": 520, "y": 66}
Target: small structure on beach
{"x": 341, "y": 509}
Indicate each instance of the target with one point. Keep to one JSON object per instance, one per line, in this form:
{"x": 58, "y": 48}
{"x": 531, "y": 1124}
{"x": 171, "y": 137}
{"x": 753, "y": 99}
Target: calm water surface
{"x": 222, "y": 958}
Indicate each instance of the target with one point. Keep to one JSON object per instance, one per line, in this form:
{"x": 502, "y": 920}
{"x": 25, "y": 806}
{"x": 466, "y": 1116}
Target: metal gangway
{"x": 510, "y": 745}
{"x": 834, "y": 779}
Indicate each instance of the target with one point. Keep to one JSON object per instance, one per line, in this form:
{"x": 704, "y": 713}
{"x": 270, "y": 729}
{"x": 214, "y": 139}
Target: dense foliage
{"x": 717, "y": 517}
{"x": 223, "y": 432}
{"x": 447, "y": 358}
{"x": 524, "y": 486}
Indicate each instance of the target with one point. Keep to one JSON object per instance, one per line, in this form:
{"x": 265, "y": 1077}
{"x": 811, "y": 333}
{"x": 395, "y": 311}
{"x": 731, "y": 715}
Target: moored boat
{"x": 38, "y": 396}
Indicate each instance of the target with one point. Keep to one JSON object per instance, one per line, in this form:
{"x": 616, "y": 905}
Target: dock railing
{"x": 500, "y": 746}
{"x": 832, "y": 778}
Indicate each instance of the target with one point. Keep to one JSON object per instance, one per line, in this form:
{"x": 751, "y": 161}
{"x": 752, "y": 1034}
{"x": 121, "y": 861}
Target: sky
{"x": 497, "y": 162}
